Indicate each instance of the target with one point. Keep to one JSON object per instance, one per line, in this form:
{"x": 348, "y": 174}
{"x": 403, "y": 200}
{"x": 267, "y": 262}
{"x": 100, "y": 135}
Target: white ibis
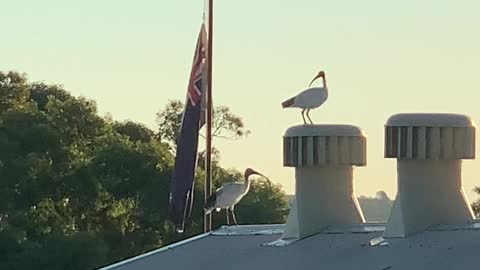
{"x": 228, "y": 195}
{"x": 310, "y": 98}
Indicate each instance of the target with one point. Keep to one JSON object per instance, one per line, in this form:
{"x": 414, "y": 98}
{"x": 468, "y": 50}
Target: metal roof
{"x": 357, "y": 247}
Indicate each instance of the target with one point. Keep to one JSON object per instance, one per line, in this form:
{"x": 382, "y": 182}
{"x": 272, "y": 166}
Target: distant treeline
{"x": 375, "y": 209}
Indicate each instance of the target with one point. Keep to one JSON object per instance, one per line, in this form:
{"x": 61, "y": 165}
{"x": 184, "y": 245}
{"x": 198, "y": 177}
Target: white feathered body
{"x": 230, "y": 194}
{"x": 308, "y": 99}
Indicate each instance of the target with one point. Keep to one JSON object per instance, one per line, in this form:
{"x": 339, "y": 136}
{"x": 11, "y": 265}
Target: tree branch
{"x": 232, "y": 138}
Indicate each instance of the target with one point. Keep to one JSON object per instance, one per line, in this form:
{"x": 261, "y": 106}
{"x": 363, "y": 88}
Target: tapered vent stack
{"x": 429, "y": 149}
{"x": 323, "y": 157}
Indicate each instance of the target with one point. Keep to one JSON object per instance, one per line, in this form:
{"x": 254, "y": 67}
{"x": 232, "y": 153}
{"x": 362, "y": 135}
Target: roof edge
{"x": 247, "y": 230}
{"x": 156, "y": 251}
{"x": 276, "y": 229}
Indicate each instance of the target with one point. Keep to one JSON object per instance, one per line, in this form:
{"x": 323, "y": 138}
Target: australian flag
{"x": 181, "y": 190}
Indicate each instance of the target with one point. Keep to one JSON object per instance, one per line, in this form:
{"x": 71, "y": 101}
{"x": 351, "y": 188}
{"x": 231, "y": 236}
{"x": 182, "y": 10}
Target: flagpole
{"x": 207, "y": 224}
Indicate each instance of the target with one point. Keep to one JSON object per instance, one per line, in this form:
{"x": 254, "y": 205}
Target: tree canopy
{"x": 79, "y": 191}
{"x": 376, "y": 208}
{"x": 225, "y": 124}
{"x": 476, "y": 204}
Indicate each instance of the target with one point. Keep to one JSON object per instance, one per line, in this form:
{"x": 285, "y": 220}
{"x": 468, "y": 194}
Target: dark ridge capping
{"x": 304, "y": 151}
{"x": 294, "y": 151}
{"x": 403, "y": 142}
{"x": 414, "y": 142}
{"x": 286, "y": 151}
{"x": 427, "y": 142}
{"x": 315, "y": 150}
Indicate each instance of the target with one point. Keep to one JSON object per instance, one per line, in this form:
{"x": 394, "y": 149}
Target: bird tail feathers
{"x": 210, "y": 203}
{"x": 289, "y": 102}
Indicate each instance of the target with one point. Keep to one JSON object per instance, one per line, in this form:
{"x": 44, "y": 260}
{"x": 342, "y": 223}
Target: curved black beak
{"x": 257, "y": 173}
{"x": 321, "y": 74}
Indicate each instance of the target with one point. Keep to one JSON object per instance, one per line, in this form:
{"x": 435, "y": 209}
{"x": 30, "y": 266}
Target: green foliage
{"x": 265, "y": 203}
{"x": 14, "y": 91}
{"x": 78, "y": 191}
{"x": 169, "y": 121}
{"x": 84, "y": 250}
{"x": 225, "y": 124}
{"x": 266, "y": 200}
{"x": 134, "y": 131}
{"x": 476, "y": 204}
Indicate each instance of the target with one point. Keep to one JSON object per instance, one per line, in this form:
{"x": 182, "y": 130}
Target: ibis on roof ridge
{"x": 229, "y": 194}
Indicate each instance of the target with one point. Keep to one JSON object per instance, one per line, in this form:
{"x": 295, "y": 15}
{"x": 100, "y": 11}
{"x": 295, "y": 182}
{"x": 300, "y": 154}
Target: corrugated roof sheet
{"x": 244, "y": 247}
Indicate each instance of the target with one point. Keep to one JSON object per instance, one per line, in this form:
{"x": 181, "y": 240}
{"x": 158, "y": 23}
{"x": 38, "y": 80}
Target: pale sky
{"x": 380, "y": 57}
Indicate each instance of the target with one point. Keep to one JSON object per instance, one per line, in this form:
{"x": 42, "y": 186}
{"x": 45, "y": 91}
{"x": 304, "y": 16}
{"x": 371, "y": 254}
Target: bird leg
{"x": 234, "y": 218}
{"x": 308, "y": 116}
{"x": 233, "y": 215}
{"x": 228, "y": 218}
{"x": 303, "y": 116}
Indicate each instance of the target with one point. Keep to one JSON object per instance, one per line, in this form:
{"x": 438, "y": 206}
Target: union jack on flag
{"x": 196, "y": 85}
